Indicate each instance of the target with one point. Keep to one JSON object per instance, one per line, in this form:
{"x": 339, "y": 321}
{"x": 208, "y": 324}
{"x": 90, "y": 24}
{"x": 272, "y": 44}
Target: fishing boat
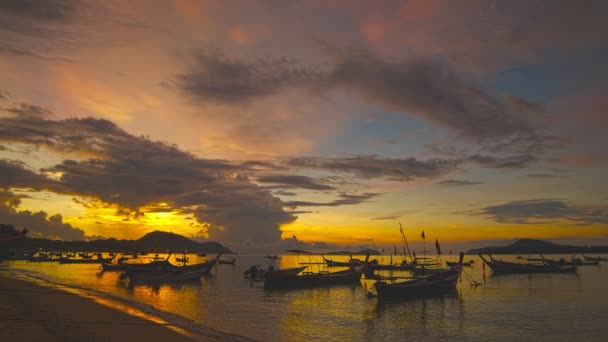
{"x": 156, "y": 263}
{"x": 506, "y": 267}
{"x": 257, "y": 272}
{"x": 89, "y": 260}
{"x": 351, "y": 262}
{"x": 352, "y": 275}
{"x": 595, "y": 259}
{"x": 436, "y": 283}
{"x": 464, "y": 263}
{"x": 281, "y": 279}
{"x": 170, "y": 273}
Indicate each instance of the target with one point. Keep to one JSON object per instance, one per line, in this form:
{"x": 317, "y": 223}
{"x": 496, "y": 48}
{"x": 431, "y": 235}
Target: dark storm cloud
{"x": 544, "y": 211}
{"x": 39, "y": 224}
{"x": 345, "y": 199}
{"x": 295, "y": 181}
{"x": 425, "y": 88}
{"x": 133, "y": 172}
{"x": 374, "y": 167}
{"x": 454, "y": 182}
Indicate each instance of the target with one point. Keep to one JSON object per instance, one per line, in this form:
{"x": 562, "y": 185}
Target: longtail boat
{"x": 439, "y": 282}
{"x": 506, "y": 267}
{"x": 595, "y": 259}
{"x": 170, "y": 274}
{"x": 352, "y": 275}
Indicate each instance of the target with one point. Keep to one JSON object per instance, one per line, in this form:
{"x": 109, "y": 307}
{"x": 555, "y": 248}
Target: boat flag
{"x": 437, "y": 246}
{"x": 422, "y": 235}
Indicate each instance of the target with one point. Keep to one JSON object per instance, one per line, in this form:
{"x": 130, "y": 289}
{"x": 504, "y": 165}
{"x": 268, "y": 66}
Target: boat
{"x": 595, "y": 259}
{"x": 464, "y": 263}
{"x": 506, "y": 267}
{"x": 257, "y": 272}
{"x": 227, "y": 262}
{"x": 88, "y": 260}
{"x": 351, "y": 262}
{"x": 439, "y": 282}
{"x": 281, "y": 279}
{"x": 156, "y": 263}
{"x": 170, "y": 272}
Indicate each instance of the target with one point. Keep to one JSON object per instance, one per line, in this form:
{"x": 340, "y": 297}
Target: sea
{"x": 225, "y": 305}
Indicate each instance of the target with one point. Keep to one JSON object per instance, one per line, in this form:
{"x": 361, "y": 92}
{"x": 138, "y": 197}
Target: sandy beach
{"x": 29, "y": 312}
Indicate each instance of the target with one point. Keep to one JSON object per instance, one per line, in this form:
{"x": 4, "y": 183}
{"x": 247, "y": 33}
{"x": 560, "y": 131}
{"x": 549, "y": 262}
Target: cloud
{"x": 544, "y": 176}
{"x": 295, "y": 181}
{"x": 16, "y": 175}
{"x": 132, "y": 172}
{"x": 454, "y": 182}
{"x": 369, "y": 167}
{"x": 504, "y": 162}
{"x": 39, "y": 224}
{"x": 216, "y": 78}
{"x": 50, "y": 10}
{"x": 543, "y": 211}
{"x": 422, "y": 87}
{"x": 345, "y": 199}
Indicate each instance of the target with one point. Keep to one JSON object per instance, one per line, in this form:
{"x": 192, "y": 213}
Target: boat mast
{"x": 405, "y": 242}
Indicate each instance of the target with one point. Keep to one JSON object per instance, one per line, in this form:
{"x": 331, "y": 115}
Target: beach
{"x": 29, "y": 312}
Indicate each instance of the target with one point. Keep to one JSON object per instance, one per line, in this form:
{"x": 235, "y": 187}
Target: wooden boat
{"x": 227, "y": 262}
{"x": 437, "y": 283}
{"x": 464, "y": 263}
{"x": 594, "y": 259}
{"x": 89, "y": 260}
{"x": 352, "y": 275}
{"x": 170, "y": 273}
{"x": 350, "y": 263}
{"x": 281, "y": 279}
{"x": 134, "y": 267}
{"x": 506, "y": 267}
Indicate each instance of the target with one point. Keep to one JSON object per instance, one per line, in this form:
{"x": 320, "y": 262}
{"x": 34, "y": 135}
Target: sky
{"x": 267, "y": 125}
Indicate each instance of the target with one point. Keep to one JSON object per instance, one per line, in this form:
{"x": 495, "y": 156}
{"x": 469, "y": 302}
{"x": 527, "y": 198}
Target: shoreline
{"x": 32, "y": 312}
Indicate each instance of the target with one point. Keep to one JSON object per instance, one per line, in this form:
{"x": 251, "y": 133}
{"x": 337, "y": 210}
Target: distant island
{"x": 533, "y": 246}
{"x": 151, "y": 242}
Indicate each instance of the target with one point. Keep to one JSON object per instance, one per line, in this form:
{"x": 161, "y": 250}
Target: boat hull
{"x": 309, "y": 279}
{"x": 437, "y": 283}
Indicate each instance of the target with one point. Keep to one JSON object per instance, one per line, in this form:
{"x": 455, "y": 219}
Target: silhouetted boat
{"x": 436, "y": 283}
{"x": 257, "y": 272}
{"x": 170, "y": 273}
{"x": 282, "y": 279}
{"x": 156, "y": 263}
{"x": 464, "y": 264}
{"x": 89, "y": 260}
{"x": 506, "y": 267}
{"x": 350, "y": 263}
{"x": 274, "y": 279}
{"x": 595, "y": 259}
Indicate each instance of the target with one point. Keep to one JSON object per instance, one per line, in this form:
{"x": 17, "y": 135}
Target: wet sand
{"x": 29, "y": 312}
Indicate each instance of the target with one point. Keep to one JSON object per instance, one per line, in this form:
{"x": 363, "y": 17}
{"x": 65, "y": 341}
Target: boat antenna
{"x": 405, "y": 242}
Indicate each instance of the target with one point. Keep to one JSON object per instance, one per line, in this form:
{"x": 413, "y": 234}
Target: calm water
{"x": 542, "y": 307}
